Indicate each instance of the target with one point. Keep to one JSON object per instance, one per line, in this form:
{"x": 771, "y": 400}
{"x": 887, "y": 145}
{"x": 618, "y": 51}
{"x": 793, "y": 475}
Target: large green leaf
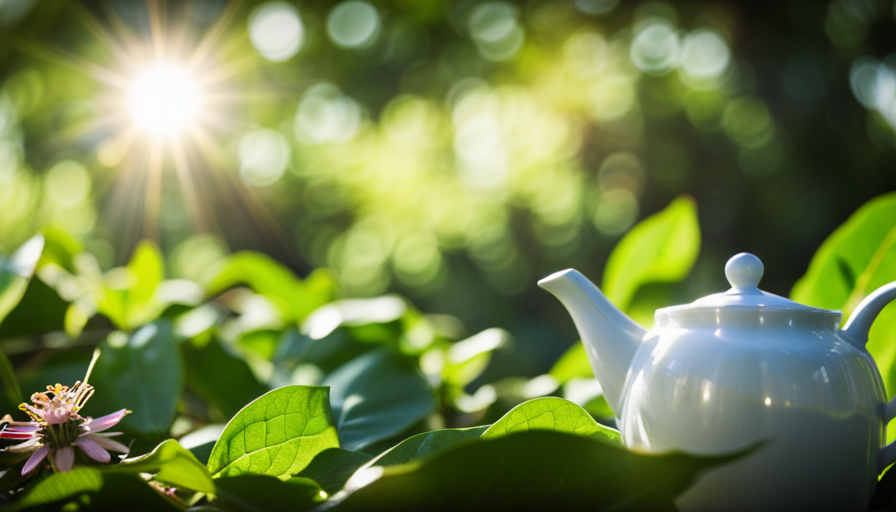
{"x": 858, "y": 257}
{"x": 262, "y": 493}
{"x": 376, "y": 396}
{"x": 661, "y": 248}
{"x": 171, "y": 464}
{"x": 854, "y": 260}
{"x": 530, "y": 470}
{"x": 332, "y": 467}
{"x": 278, "y": 434}
{"x": 550, "y": 413}
{"x": 220, "y": 378}
{"x": 142, "y": 372}
{"x": 15, "y": 272}
{"x": 426, "y": 445}
{"x": 294, "y": 297}
{"x": 87, "y": 488}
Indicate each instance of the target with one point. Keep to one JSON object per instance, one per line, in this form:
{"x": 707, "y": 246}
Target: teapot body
{"x": 719, "y": 381}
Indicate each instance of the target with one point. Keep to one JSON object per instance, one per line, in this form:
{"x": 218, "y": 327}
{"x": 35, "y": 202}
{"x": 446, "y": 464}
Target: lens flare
{"x": 164, "y": 100}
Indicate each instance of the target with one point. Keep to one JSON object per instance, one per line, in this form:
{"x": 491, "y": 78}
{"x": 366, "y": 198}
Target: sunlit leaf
{"x": 15, "y": 272}
{"x": 171, "y": 464}
{"x": 376, "y": 396}
{"x": 294, "y": 297}
{"x": 353, "y": 312}
{"x": 573, "y": 363}
{"x": 661, "y": 248}
{"x": 332, "y": 467}
{"x": 530, "y": 470}
{"x": 278, "y": 434}
{"x": 467, "y": 359}
{"x": 550, "y": 413}
{"x": 144, "y": 373}
{"x": 262, "y": 493}
{"x": 426, "y": 445}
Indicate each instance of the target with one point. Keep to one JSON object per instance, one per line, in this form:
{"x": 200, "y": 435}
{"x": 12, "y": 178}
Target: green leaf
{"x": 858, "y": 257}
{"x": 465, "y": 360}
{"x": 530, "y": 470}
{"x": 173, "y": 465}
{"x": 353, "y": 312}
{"x": 278, "y": 434}
{"x": 853, "y": 261}
{"x": 427, "y": 444}
{"x": 376, "y": 396}
{"x": 332, "y": 467}
{"x": 661, "y": 248}
{"x": 144, "y": 373}
{"x": 572, "y": 364}
{"x": 15, "y": 272}
{"x": 12, "y": 393}
{"x": 550, "y": 413}
{"x": 295, "y": 298}
{"x": 129, "y": 296}
{"x": 220, "y": 378}
{"x": 261, "y": 493}
{"x": 87, "y": 488}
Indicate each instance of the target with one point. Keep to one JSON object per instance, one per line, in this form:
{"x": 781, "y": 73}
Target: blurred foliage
{"x": 450, "y": 151}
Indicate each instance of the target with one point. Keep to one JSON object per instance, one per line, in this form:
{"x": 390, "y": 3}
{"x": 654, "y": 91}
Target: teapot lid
{"x": 743, "y": 272}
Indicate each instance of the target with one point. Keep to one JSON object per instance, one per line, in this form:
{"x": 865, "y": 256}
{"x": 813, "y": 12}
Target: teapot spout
{"x": 610, "y": 337}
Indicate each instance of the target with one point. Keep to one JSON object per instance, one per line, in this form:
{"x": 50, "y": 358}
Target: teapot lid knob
{"x": 744, "y": 270}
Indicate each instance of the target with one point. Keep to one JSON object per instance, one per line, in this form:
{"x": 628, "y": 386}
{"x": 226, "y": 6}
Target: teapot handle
{"x": 857, "y": 329}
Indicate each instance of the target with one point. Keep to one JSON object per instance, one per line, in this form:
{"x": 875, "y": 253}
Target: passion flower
{"x": 57, "y": 426}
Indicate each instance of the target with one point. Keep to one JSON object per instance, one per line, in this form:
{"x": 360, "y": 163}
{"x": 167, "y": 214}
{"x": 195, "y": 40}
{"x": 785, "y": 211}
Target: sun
{"x": 164, "y": 100}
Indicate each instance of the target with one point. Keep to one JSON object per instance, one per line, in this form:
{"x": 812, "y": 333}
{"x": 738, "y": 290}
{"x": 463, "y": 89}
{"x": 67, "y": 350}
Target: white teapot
{"x": 739, "y": 368}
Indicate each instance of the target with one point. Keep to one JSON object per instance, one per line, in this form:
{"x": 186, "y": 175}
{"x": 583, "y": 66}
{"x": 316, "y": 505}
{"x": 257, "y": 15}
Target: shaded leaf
{"x": 86, "y": 488}
{"x": 525, "y": 470}
{"x": 220, "y": 378}
{"x": 278, "y": 434}
{"x": 376, "y": 396}
{"x": 15, "y": 272}
{"x": 661, "y": 248}
{"x": 261, "y": 493}
{"x": 144, "y": 373}
{"x": 172, "y": 464}
{"x": 427, "y": 444}
{"x": 12, "y": 393}
{"x": 332, "y": 467}
{"x": 550, "y": 413}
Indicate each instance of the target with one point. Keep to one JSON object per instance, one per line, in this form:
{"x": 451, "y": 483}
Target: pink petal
{"x": 35, "y": 459}
{"x": 93, "y": 449}
{"x": 104, "y": 422}
{"x": 63, "y": 458}
{"x": 25, "y": 446}
{"x": 109, "y": 444}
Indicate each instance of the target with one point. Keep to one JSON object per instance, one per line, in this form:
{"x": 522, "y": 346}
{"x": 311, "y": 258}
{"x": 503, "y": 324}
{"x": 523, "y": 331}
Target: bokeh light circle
{"x": 276, "y": 31}
{"x": 353, "y": 24}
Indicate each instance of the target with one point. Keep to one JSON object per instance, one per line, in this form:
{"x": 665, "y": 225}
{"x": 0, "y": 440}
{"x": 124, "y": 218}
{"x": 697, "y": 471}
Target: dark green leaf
{"x": 376, "y": 396}
{"x": 530, "y": 470}
{"x": 144, "y": 373}
{"x": 172, "y": 464}
{"x": 427, "y": 444}
{"x": 661, "y": 248}
{"x": 86, "y": 488}
{"x": 550, "y": 413}
{"x": 262, "y": 493}
{"x": 278, "y": 434}
{"x": 11, "y": 396}
{"x": 15, "y": 272}
{"x": 220, "y": 378}
{"x": 332, "y": 467}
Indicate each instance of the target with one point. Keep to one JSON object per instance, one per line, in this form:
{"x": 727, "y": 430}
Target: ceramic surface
{"x": 741, "y": 368}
